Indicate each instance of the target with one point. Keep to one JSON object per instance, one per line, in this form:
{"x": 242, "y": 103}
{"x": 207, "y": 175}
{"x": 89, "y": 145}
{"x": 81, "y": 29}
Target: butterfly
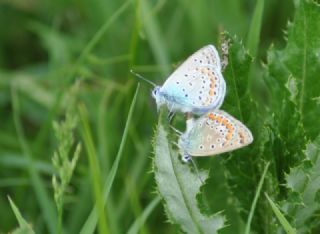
{"x": 196, "y": 86}
{"x": 213, "y": 133}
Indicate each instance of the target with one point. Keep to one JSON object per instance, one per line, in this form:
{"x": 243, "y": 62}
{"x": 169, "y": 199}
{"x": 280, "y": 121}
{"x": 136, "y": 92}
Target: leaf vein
{"x": 183, "y": 195}
{"x": 235, "y": 87}
{"x": 304, "y": 64}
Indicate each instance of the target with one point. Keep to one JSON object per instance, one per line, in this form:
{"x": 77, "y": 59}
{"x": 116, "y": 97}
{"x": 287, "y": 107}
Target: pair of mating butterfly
{"x": 198, "y": 87}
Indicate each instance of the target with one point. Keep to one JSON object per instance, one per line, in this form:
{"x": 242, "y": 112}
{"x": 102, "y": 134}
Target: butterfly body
{"x": 214, "y": 133}
{"x": 196, "y": 86}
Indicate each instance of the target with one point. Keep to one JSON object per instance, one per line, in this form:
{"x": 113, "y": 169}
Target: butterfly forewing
{"x": 198, "y": 82}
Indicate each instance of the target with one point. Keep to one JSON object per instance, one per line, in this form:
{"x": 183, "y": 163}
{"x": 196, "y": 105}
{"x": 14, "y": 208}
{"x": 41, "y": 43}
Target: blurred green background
{"x": 45, "y": 46}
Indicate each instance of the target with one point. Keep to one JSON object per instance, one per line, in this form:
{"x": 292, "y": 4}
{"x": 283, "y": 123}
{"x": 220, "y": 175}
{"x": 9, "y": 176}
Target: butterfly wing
{"x": 216, "y": 133}
{"x": 198, "y": 82}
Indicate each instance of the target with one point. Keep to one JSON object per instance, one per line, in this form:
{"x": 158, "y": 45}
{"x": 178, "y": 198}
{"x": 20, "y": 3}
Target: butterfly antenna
{"x": 142, "y": 78}
{"x": 197, "y": 170}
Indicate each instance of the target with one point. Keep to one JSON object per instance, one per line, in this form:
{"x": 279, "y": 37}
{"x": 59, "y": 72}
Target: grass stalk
{"x": 46, "y": 205}
{"x": 90, "y": 223}
{"x": 255, "y": 200}
{"x": 94, "y": 169}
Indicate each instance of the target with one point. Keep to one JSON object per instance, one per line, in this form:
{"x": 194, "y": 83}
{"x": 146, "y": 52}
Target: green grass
{"x": 49, "y": 47}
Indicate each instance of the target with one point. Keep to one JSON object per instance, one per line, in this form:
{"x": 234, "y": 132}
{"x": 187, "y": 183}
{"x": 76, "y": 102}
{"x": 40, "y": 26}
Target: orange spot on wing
{"x": 241, "y": 137}
{"x": 230, "y": 129}
{"x": 211, "y": 92}
{"x": 211, "y": 116}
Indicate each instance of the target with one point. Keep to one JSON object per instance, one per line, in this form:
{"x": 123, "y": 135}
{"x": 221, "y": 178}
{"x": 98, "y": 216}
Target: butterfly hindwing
{"x": 216, "y": 133}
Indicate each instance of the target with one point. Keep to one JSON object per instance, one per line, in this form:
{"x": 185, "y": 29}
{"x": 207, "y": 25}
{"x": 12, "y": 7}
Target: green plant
{"x": 118, "y": 185}
{"x": 284, "y": 131}
{"x": 61, "y": 160}
{"x": 24, "y": 227}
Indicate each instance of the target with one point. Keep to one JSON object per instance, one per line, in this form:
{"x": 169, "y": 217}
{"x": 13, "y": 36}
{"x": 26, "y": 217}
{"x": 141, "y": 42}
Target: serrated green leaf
{"x": 179, "y": 186}
{"x": 304, "y": 182}
{"x": 245, "y": 166}
{"x": 301, "y": 57}
{"x": 299, "y": 60}
{"x": 292, "y": 80}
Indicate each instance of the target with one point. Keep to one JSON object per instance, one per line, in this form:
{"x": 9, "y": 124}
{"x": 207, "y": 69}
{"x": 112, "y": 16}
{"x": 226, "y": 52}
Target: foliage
{"x": 24, "y": 227}
{"x": 272, "y": 87}
{"x": 60, "y": 160}
{"x": 279, "y": 140}
{"x": 303, "y": 204}
{"x": 179, "y": 186}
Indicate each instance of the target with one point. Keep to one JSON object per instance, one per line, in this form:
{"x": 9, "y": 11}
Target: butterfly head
{"x": 186, "y": 158}
{"x": 182, "y": 144}
{"x": 156, "y": 94}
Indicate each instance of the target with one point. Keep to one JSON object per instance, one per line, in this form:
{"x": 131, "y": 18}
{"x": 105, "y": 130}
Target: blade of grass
{"x": 91, "y": 222}
{"x": 108, "y": 61}
{"x": 14, "y": 182}
{"x": 85, "y": 52}
{"x": 46, "y": 206}
{"x": 96, "y": 38}
{"x": 135, "y": 202}
{"x": 21, "y": 221}
{"x": 156, "y": 41}
{"x": 102, "y": 138}
{"x": 10, "y": 161}
{"x": 94, "y": 169}
{"x": 143, "y": 217}
{"x": 284, "y": 222}
{"x": 106, "y": 113}
{"x": 134, "y": 173}
{"x": 80, "y": 210}
{"x": 255, "y": 200}
{"x": 255, "y": 28}
{"x": 134, "y": 35}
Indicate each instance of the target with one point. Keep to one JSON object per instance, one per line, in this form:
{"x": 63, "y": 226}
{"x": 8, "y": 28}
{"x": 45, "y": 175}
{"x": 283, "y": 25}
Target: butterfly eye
{"x": 186, "y": 158}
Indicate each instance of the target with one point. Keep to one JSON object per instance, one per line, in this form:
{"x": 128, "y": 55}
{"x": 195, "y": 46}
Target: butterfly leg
{"x": 170, "y": 116}
{"x": 189, "y": 125}
{"x": 176, "y": 130}
{"x": 187, "y": 159}
{"x": 171, "y": 113}
{"x": 189, "y": 121}
{"x": 196, "y": 170}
